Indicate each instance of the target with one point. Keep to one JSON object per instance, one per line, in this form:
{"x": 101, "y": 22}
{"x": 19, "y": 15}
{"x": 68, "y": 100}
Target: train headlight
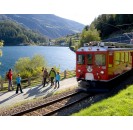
{"x": 79, "y": 71}
{"x": 102, "y": 72}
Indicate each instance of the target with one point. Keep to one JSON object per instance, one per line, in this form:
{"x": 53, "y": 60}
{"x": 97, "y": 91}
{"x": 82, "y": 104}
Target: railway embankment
{"x": 119, "y": 102}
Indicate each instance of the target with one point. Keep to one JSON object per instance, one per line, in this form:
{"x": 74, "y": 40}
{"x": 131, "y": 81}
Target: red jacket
{"x": 10, "y": 75}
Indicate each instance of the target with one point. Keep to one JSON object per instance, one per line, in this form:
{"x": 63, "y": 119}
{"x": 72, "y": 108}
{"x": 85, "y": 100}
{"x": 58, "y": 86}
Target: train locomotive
{"x": 102, "y": 64}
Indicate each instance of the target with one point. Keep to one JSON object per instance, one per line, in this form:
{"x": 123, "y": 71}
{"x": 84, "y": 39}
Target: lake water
{"x": 55, "y": 56}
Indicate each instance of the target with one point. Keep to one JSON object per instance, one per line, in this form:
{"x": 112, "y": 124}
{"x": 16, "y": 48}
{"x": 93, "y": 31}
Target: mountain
{"x": 48, "y": 25}
{"x": 13, "y": 33}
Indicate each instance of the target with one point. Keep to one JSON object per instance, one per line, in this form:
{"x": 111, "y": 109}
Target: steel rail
{"x": 45, "y": 104}
{"x": 67, "y": 105}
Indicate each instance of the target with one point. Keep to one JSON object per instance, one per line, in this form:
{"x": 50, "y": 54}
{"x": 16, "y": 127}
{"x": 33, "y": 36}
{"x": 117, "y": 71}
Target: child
{"x": 18, "y": 80}
{"x": 57, "y": 79}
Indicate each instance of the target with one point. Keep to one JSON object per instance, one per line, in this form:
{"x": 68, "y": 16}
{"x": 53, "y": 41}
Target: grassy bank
{"x": 118, "y": 105}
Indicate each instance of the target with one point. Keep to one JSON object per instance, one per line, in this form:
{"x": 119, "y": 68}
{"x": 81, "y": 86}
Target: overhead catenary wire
{"x": 118, "y": 28}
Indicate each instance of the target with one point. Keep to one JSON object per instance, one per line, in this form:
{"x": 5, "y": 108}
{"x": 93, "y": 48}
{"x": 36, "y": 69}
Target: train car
{"x": 103, "y": 63}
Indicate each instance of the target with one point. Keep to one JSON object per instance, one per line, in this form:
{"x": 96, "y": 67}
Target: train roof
{"x": 99, "y": 48}
{"x": 106, "y": 46}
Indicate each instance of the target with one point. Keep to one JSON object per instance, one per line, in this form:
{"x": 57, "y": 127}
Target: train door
{"x": 89, "y": 67}
{"x": 110, "y": 64}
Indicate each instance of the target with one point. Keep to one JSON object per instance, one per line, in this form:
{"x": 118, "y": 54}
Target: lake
{"x": 55, "y": 56}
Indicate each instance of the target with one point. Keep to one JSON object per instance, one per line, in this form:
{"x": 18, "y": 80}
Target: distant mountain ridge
{"x": 48, "y": 25}
{"x": 13, "y": 34}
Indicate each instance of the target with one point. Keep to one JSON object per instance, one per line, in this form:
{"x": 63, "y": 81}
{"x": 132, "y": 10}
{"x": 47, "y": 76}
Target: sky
{"x": 82, "y": 11}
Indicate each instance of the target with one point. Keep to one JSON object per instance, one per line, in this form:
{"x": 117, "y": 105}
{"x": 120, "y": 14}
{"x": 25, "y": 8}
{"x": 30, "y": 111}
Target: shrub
{"x": 25, "y": 74}
{"x": 27, "y": 67}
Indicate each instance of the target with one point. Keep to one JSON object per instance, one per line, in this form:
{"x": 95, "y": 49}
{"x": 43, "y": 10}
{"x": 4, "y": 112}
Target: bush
{"x": 25, "y": 74}
{"x": 27, "y": 67}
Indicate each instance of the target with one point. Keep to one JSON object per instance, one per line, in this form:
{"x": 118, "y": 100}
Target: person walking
{"x": 52, "y": 75}
{"x": 57, "y": 80}
{"x": 42, "y": 75}
{"x": 18, "y": 80}
{"x": 9, "y": 76}
{"x": 45, "y": 76}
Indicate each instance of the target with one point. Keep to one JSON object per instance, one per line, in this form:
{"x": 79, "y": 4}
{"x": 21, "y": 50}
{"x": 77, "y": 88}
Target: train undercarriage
{"x": 102, "y": 86}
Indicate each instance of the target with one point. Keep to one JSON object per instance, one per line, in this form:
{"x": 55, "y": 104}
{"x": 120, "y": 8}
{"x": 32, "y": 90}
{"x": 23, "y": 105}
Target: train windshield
{"x": 81, "y": 59}
{"x": 89, "y": 59}
{"x": 100, "y": 59}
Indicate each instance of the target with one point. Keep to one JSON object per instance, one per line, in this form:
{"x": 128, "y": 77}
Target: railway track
{"x": 55, "y": 106}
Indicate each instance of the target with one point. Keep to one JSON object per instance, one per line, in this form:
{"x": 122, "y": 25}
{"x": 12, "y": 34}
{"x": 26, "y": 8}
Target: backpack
{"x": 7, "y": 75}
{"x": 53, "y": 71}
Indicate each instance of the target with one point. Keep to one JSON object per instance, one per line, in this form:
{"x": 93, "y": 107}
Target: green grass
{"x": 118, "y": 105}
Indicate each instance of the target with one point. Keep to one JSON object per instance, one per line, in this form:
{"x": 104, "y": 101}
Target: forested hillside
{"x": 14, "y": 34}
{"x": 108, "y": 24}
{"x": 48, "y": 25}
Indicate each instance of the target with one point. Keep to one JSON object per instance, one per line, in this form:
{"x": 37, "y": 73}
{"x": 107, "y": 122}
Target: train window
{"x": 117, "y": 58}
{"x": 126, "y": 56}
{"x": 100, "y": 59}
{"x": 122, "y": 57}
{"x": 89, "y": 59}
{"x": 80, "y": 59}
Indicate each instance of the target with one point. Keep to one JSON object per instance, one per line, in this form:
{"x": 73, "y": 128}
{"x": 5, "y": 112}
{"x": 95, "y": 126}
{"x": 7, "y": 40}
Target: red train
{"x": 102, "y": 63}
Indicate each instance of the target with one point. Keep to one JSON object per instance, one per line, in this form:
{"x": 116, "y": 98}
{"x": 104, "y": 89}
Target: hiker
{"x": 45, "y": 76}
{"x": 9, "y": 77}
{"x": 18, "y": 80}
{"x": 52, "y": 75}
{"x": 57, "y": 80}
{"x": 42, "y": 75}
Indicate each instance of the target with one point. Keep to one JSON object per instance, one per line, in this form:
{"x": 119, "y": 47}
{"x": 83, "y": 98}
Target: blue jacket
{"x": 18, "y": 80}
{"x": 57, "y": 77}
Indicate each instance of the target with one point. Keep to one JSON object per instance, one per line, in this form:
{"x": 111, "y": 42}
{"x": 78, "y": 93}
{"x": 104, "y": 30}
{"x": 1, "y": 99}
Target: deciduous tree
{"x": 90, "y": 34}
